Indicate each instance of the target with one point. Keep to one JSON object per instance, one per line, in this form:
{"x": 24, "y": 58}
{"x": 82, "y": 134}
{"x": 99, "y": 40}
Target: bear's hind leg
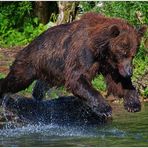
{"x": 19, "y": 78}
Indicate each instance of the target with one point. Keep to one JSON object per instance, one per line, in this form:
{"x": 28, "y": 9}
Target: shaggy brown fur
{"x": 73, "y": 54}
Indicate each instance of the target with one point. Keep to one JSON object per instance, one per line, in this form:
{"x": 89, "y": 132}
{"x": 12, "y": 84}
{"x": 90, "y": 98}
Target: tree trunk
{"x": 41, "y": 11}
{"x": 67, "y": 11}
{"x": 44, "y": 9}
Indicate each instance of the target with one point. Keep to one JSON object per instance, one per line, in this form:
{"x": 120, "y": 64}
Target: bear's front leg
{"x": 83, "y": 89}
{"x": 123, "y": 87}
{"x": 131, "y": 100}
{"x": 39, "y": 90}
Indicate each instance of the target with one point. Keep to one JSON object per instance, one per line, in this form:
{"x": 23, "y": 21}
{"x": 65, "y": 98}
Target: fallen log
{"x": 64, "y": 110}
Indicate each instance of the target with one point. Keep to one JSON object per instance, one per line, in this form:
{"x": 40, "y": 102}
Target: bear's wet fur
{"x": 73, "y": 54}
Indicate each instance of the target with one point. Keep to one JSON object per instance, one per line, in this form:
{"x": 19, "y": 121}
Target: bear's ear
{"x": 141, "y": 31}
{"x": 114, "y": 31}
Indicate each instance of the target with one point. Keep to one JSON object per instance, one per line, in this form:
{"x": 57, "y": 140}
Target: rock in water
{"x": 64, "y": 110}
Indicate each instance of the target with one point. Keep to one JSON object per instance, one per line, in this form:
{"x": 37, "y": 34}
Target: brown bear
{"x": 73, "y": 54}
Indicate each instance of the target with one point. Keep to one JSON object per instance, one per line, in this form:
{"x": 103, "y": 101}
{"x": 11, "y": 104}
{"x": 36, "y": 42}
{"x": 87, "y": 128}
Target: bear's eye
{"x": 121, "y": 54}
{"x": 124, "y": 53}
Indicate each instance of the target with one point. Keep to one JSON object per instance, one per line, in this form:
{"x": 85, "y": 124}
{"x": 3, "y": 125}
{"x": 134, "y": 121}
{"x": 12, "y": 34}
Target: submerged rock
{"x": 64, "y": 110}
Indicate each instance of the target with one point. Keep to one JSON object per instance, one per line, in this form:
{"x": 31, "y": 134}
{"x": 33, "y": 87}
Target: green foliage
{"x": 99, "y": 83}
{"x": 145, "y": 93}
{"x": 28, "y": 90}
{"x": 141, "y": 67}
{"x": 122, "y": 9}
{"x": 140, "y": 63}
{"x": 17, "y": 26}
{"x": 2, "y": 75}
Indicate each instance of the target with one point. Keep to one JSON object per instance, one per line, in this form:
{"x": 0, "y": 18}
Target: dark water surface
{"x": 126, "y": 129}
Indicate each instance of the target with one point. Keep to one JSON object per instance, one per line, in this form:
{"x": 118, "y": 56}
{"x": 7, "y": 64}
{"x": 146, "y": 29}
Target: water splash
{"x": 11, "y": 119}
{"x": 62, "y": 131}
{"x": 52, "y": 129}
{"x": 5, "y": 100}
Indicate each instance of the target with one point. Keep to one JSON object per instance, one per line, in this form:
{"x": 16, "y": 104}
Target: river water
{"x": 126, "y": 129}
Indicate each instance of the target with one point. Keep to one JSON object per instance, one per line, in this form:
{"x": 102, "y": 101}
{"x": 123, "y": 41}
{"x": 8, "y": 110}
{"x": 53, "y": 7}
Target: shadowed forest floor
{"x": 7, "y": 55}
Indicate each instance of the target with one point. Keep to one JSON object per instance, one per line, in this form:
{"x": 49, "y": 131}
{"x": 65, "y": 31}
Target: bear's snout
{"x": 125, "y": 69}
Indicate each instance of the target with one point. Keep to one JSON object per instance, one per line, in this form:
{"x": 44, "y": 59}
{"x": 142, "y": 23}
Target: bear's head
{"x": 123, "y": 46}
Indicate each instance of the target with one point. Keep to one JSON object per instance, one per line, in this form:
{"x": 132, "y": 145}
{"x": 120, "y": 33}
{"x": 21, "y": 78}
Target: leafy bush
{"x": 125, "y": 9}
{"x": 2, "y": 75}
{"x": 99, "y": 83}
{"x": 18, "y": 27}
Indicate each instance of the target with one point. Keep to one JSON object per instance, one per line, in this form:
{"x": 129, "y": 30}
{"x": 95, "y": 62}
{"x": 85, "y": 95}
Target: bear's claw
{"x": 104, "y": 110}
{"x": 134, "y": 106}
